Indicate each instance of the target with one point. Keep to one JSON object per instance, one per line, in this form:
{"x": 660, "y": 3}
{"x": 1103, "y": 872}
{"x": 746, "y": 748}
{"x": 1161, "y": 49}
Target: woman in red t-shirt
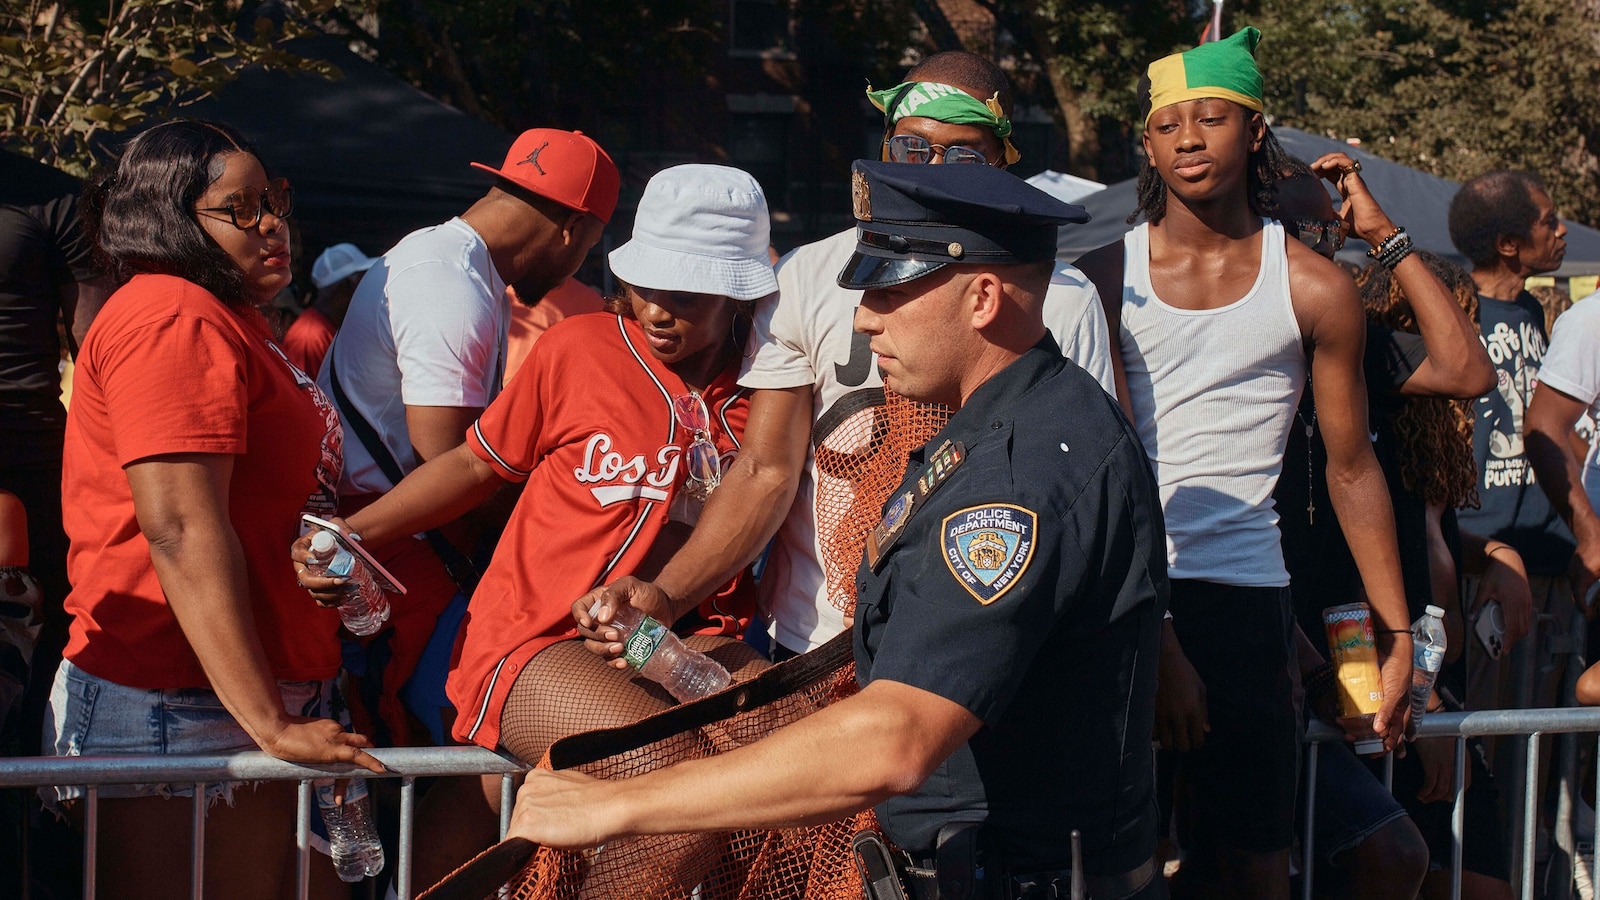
{"x": 192, "y": 447}
{"x": 614, "y": 425}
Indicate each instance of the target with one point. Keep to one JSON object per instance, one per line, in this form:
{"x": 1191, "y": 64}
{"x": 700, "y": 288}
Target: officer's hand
{"x": 1181, "y": 722}
{"x": 1438, "y": 758}
{"x": 599, "y": 636}
{"x": 559, "y": 810}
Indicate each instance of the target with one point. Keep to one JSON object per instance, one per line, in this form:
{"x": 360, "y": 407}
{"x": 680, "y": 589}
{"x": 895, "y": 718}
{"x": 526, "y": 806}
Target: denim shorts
{"x": 1352, "y": 803}
{"x": 90, "y": 716}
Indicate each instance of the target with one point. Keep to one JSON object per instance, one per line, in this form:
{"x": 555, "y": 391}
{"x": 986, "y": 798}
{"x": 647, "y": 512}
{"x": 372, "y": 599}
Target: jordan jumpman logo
{"x": 533, "y": 158}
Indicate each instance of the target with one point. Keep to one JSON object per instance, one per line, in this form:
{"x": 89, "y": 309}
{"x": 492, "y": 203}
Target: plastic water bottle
{"x": 365, "y": 607}
{"x": 352, "y": 836}
{"x": 1428, "y": 639}
{"x": 658, "y": 654}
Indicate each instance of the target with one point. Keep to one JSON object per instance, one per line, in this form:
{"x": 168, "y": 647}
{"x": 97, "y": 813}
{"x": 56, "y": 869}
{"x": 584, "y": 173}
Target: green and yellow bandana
{"x": 1225, "y": 69}
{"x": 945, "y": 103}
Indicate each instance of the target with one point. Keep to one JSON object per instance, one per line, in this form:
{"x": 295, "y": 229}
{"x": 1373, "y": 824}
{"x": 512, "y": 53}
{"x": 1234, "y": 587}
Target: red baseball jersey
{"x": 588, "y": 423}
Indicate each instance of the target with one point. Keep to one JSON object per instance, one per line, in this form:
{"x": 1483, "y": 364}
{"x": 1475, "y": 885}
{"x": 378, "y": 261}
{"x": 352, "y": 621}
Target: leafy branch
{"x": 73, "y": 72}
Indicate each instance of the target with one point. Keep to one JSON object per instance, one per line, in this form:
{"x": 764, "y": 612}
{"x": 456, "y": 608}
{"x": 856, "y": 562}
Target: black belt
{"x": 922, "y": 883}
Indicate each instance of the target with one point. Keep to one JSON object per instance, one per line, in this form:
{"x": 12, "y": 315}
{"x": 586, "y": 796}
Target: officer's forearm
{"x": 744, "y": 512}
{"x": 882, "y": 742}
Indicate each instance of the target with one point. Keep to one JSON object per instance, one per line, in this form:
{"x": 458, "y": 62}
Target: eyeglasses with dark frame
{"x": 1316, "y": 233}
{"x": 912, "y": 148}
{"x": 244, "y": 207}
{"x": 703, "y": 462}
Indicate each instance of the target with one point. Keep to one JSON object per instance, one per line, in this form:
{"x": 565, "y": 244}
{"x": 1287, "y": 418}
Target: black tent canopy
{"x": 371, "y": 158}
{"x": 1417, "y": 200}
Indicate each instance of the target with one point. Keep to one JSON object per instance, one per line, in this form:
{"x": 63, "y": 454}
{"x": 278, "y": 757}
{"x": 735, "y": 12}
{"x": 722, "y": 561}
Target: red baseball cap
{"x": 565, "y": 166}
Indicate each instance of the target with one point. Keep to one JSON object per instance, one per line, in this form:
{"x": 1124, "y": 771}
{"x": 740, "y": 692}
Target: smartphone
{"x": 1491, "y": 629}
{"x": 379, "y": 573}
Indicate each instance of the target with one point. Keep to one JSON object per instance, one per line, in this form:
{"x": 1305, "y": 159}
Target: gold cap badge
{"x": 861, "y": 196}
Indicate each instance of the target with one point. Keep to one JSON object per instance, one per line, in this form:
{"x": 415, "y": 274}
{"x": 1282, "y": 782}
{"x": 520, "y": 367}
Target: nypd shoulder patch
{"x": 989, "y": 547}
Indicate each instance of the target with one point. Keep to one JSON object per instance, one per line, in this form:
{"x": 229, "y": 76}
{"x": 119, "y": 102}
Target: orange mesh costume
{"x": 861, "y": 457}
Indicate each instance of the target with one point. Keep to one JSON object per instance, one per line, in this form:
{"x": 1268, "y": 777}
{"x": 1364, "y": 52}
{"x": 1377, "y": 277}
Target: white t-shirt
{"x": 805, "y": 337}
{"x": 426, "y": 327}
{"x": 1572, "y": 366}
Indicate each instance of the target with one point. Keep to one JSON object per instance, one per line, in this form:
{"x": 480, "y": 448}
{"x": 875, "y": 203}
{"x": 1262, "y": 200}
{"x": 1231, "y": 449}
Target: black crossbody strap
{"x": 777, "y": 682}
{"x": 460, "y": 567}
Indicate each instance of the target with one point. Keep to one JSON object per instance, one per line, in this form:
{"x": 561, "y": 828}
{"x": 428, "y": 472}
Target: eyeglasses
{"x": 702, "y": 459}
{"x": 244, "y": 207}
{"x": 1319, "y": 233}
{"x": 910, "y": 148}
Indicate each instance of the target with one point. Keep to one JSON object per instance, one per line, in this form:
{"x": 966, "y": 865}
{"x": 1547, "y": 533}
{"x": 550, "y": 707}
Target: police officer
{"x": 1009, "y": 600}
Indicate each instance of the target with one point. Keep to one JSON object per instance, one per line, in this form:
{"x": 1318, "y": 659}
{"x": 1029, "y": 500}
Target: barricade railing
{"x": 1531, "y": 724}
{"x": 410, "y": 763}
{"x": 406, "y": 764}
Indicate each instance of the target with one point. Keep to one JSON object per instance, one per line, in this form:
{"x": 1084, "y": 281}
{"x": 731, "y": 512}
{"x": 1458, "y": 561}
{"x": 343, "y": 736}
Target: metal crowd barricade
{"x": 407, "y": 764}
{"x": 1532, "y": 724}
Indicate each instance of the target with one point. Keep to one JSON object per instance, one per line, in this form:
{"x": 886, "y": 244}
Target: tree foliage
{"x": 72, "y": 71}
{"x": 1094, "y": 54}
{"x": 516, "y": 62}
{"x": 554, "y": 62}
{"x": 1452, "y": 87}
{"x": 1080, "y": 59}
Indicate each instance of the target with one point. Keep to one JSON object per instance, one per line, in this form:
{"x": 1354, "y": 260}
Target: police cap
{"x": 912, "y": 219}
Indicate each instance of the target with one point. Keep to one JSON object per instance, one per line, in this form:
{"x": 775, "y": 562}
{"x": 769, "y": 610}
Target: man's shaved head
{"x": 978, "y": 76}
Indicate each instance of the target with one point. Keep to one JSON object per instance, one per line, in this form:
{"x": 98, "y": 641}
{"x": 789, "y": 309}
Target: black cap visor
{"x": 864, "y": 271}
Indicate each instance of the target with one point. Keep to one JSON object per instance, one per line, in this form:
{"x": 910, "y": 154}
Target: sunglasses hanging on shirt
{"x": 703, "y": 462}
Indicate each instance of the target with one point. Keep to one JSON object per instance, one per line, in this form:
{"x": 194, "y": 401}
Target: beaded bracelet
{"x": 1378, "y": 248}
{"x": 1395, "y": 251}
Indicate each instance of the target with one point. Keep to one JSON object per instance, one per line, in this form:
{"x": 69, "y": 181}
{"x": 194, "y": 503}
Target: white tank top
{"x": 1214, "y": 393}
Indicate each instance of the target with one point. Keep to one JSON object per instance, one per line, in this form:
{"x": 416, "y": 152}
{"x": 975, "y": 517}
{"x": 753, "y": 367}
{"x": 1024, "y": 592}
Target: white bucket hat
{"x": 702, "y": 229}
{"x": 338, "y": 263}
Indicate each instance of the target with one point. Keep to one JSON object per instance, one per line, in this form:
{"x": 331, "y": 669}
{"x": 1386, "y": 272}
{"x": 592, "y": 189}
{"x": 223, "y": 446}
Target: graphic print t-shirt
{"x": 1513, "y": 507}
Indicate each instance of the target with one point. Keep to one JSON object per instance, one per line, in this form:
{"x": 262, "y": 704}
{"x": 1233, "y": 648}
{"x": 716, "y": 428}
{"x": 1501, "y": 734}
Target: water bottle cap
{"x": 1434, "y": 611}
{"x": 322, "y": 542}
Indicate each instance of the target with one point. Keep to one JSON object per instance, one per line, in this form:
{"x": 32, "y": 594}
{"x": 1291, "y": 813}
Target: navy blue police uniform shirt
{"x": 1029, "y": 587}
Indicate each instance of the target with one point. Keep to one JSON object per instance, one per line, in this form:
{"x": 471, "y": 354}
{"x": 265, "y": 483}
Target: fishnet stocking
{"x": 565, "y": 690}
